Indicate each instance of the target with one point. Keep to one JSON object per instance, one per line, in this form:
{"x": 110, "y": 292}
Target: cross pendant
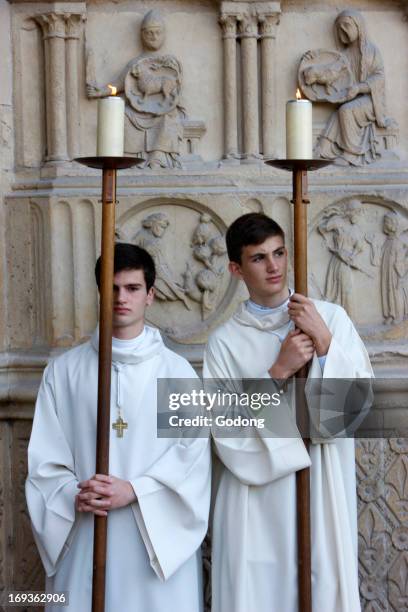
{"x": 119, "y": 425}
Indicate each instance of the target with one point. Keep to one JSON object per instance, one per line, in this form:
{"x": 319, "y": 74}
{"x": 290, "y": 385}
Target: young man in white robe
{"x": 271, "y": 336}
{"x": 157, "y": 493}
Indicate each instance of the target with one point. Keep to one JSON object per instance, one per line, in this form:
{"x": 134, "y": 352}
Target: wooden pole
{"x": 301, "y": 201}
{"x": 299, "y": 168}
{"x": 104, "y": 377}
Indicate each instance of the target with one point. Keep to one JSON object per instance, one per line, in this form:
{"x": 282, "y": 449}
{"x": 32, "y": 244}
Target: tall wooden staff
{"x": 299, "y": 168}
{"x": 109, "y": 166}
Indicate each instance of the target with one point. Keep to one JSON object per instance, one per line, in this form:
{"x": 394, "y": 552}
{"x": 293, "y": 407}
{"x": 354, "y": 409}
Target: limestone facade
{"x": 235, "y": 64}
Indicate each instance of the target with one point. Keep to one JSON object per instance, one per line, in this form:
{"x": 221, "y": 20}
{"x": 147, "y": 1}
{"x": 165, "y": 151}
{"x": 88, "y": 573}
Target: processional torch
{"x": 299, "y": 162}
{"x": 109, "y": 159}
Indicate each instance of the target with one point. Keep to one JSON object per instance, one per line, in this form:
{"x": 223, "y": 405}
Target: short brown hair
{"x": 252, "y": 228}
{"x": 130, "y": 257}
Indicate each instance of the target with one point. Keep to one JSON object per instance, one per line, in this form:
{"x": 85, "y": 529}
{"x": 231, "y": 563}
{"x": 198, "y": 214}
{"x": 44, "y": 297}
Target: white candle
{"x": 299, "y": 141}
{"x": 111, "y": 126}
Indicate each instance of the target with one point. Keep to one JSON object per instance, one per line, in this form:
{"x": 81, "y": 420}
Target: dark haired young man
{"x": 157, "y": 493}
{"x": 272, "y": 335}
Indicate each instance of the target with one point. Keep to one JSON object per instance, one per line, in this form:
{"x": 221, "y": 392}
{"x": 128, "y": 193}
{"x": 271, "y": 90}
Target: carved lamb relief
{"x": 359, "y": 130}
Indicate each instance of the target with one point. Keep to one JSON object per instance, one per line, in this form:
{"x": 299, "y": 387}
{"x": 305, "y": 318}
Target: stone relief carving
{"x": 151, "y": 84}
{"x": 382, "y": 469}
{"x": 208, "y": 249}
{"x": 359, "y": 130}
{"x": 150, "y": 237}
{"x": 366, "y": 246}
{"x": 325, "y": 76}
{"x": 188, "y": 247}
{"x": 345, "y": 241}
{"x": 390, "y": 253}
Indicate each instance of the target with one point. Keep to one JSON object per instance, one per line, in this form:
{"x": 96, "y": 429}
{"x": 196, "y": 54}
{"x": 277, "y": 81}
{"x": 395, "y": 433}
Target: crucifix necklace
{"x": 119, "y": 426}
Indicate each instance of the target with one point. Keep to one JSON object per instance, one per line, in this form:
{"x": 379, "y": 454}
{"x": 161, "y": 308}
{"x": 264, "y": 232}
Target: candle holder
{"x": 109, "y": 167}
{"x": 299, "y": 169}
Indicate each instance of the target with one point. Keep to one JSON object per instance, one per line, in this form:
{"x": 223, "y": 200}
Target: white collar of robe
{"x": 151, "y": 345}
{"x": 278, "y": 317}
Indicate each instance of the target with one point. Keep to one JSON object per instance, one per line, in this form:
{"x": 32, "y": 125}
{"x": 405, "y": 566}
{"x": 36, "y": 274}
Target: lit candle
{"x": 299, "y": 128}
{"x": 111, "y": 125}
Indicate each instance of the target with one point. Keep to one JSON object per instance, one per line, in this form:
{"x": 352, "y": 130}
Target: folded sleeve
{"x": 51, "y": 483}
{"x": 264, "y": 455}
{"x": 173, "y": 499}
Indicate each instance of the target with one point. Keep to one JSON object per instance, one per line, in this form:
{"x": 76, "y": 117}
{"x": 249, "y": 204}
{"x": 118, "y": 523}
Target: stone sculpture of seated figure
{"x": 355, "y": 79}
{"x": 151, "y": 84}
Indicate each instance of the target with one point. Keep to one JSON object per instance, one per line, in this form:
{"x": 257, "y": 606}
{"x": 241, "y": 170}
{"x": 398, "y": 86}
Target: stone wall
{"x": 231, "y": 66}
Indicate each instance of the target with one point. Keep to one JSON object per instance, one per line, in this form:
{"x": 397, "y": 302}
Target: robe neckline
{"x": 277, "y": 317}
{"x": 151, "y": 344}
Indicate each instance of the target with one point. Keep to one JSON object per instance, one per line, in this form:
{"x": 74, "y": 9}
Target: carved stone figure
{"x": 345, "y": 240}
{"x": 201, "y": 285}
{"x": 151, "y": 84}
{"x": 356, "y": 132}
{"x": 334, "y": 74}
{"x": 392, "y": 255}
{"x": 150, "y": 238}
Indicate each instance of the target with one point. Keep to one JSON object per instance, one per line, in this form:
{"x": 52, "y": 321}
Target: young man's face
{"x": 263, "y": 269}
{"x": 130, "y": 299}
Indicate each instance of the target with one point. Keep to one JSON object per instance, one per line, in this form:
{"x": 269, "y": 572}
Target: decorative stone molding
{"x": 61, "y": 33}
{"x": 193, "y": 131}
{"x": 73, "y": 23}
{"x": 229, "y": 29}
{"x": 268, "y": 24}
{"x": 248, "y": 33}
{"x": 253, "y": 24}
{"x": 382, "y": 470}
{"x": 53, "y": 29}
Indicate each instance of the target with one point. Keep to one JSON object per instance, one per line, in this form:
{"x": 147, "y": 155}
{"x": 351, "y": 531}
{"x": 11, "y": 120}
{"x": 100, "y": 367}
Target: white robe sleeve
{"x": 347, "y": 360}
{"x": 51, "y": 484}
{"x": 172, "y": 507}
{"x": 347, "y": 356}
{"x": 253, "y": 460}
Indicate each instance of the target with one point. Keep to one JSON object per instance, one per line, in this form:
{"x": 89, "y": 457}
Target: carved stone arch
{"x": 254, "y": 205}
{"x": 186, "y": 239}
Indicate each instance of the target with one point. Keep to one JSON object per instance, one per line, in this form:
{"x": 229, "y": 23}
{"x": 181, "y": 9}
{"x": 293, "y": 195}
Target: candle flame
{"x": 298, "y": 94}
{"x": 113, "y": 90}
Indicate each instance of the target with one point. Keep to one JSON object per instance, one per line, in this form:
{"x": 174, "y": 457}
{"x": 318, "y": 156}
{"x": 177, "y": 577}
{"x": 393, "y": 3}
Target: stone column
{"x": 53, "y": 28}
{"x": 229, "y": 31}
{"x": 73, "y": 32}
{"x": 248, "y": 28}
{"x": 268, "y": 24}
